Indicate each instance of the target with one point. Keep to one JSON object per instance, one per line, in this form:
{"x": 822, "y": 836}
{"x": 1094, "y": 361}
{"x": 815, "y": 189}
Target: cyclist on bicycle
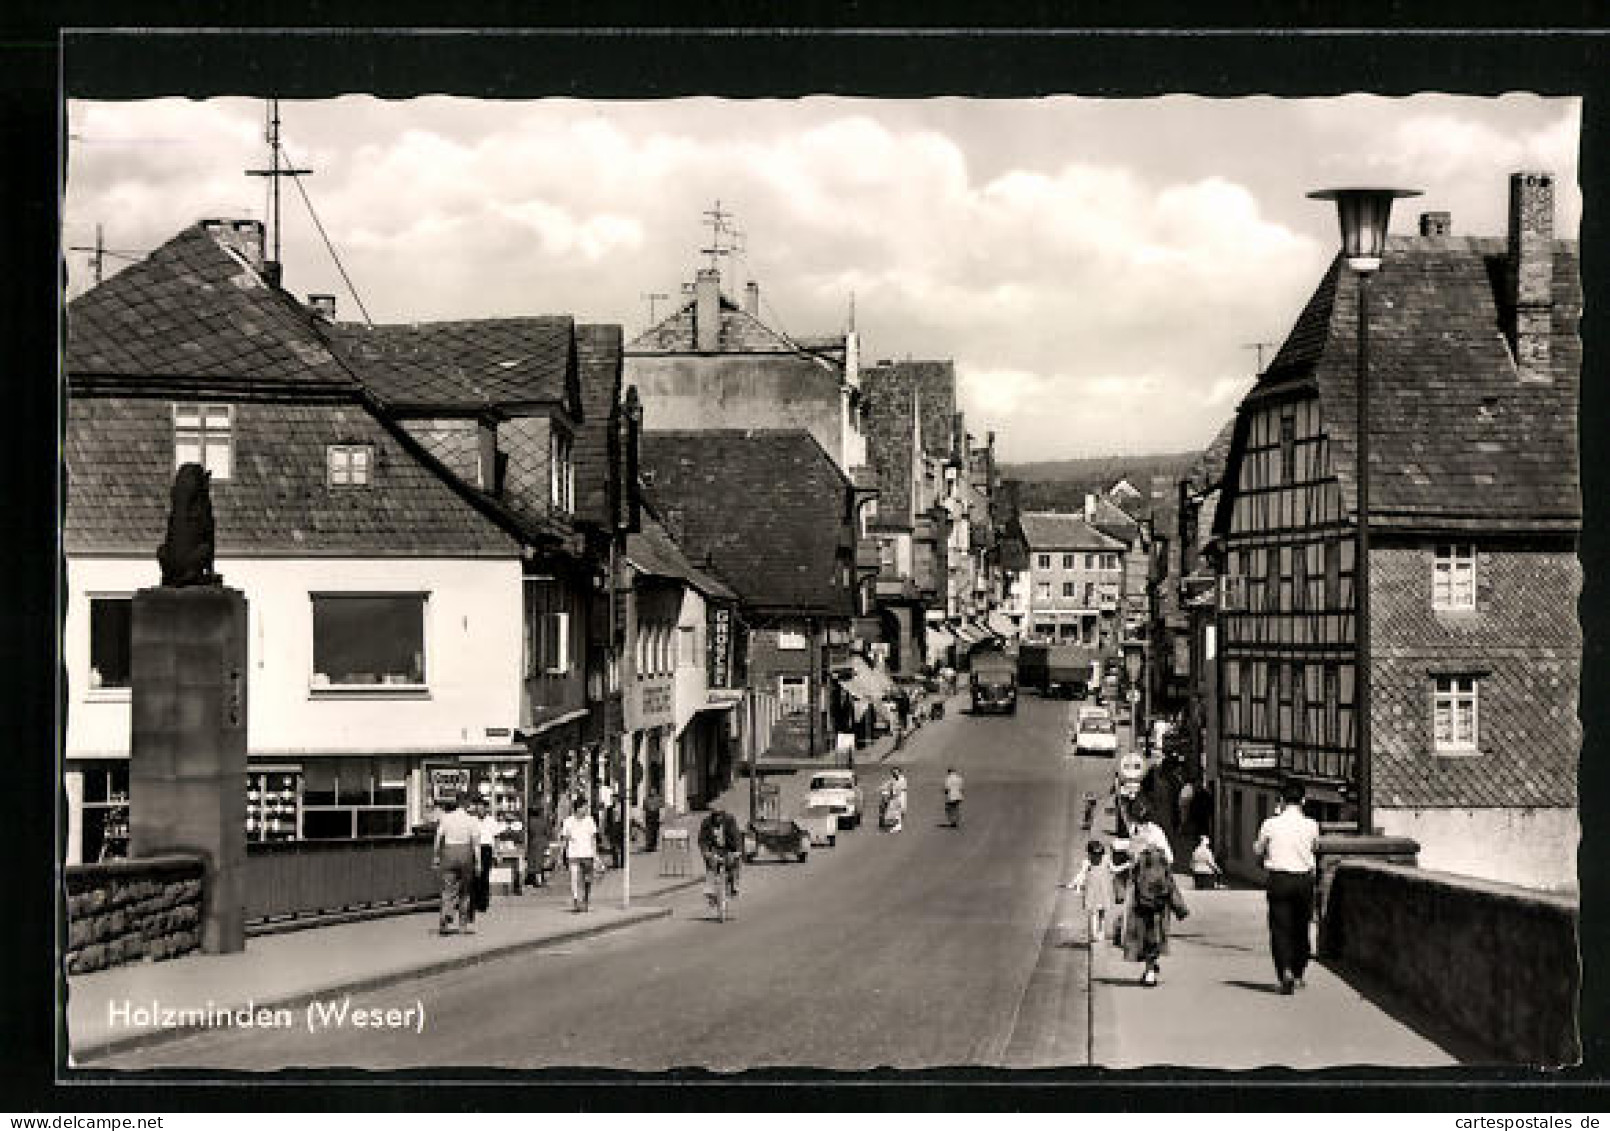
{"x": 953, "y": 797}
{"x": 720, "y": 843}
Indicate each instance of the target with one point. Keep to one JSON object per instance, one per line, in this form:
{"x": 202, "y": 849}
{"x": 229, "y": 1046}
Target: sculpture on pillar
{"x": 186, "y": 554}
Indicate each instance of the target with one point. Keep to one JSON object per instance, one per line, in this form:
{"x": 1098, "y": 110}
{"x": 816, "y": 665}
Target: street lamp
{"x": 1364, "y": 214}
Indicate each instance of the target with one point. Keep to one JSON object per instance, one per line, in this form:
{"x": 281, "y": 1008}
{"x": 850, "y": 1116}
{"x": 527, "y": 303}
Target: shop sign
{"x": 448, "y": 782}
{"x": 649, "y": 704}
{"x": 1257, "y": 756}
{"x": 720, "y": 646}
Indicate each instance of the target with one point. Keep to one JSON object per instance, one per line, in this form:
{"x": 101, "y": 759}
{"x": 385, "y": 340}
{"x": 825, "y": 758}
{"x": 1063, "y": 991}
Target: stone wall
{"x": 129, "y": 910}
{"x": 1497, "y": 963}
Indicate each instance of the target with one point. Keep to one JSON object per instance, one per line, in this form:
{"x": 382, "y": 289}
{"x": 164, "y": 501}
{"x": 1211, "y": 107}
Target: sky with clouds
{"x": 1096, "y": 268}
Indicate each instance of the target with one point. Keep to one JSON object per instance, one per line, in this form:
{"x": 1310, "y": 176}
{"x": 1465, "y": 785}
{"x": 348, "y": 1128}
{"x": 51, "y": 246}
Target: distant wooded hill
{"x": 1061, "y": 485}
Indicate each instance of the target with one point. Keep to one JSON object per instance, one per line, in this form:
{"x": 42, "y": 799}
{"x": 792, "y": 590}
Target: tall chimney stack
{"x": 1531, "y": 271}
{"x": 707, "y": 310}
{"x": 323, "y": 306}
{"x": 752, "y": 299}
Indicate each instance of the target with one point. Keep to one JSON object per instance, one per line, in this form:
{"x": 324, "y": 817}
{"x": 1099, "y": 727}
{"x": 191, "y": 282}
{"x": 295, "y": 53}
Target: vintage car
{"x": 840, "y": 792}
{"x": 1096, "y": 735}
{"x": 821, "y": 822}
{"x": 786, "y": 838}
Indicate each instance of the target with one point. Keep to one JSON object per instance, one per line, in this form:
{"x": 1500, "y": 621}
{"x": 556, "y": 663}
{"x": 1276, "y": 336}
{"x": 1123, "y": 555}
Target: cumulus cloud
{"x": 1095, "y": 269}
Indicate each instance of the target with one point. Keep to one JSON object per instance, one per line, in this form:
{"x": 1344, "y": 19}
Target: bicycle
{"x": 721, "y": 899}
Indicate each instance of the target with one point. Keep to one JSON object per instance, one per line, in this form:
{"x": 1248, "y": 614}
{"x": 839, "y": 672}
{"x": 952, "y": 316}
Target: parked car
{"x": 785, "y": 838}
{"x": 821, "y": 822}
{"x": 839, "y": 791}
{"x": 1096, "y": 735}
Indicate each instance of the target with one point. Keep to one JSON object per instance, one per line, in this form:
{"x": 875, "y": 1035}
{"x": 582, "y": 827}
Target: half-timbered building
{"x": 1474, "y": 515}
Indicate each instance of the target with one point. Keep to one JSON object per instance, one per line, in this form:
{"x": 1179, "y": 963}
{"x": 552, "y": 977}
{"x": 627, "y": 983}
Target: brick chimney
{"x": 1436, "y": 223}
{"x": 1090, "y": 508}
{"x": 707, "y": 310}
{"x": 323, "y": 306}
{"x": 752, "y": 299}
{"x": 1530, "y": 271}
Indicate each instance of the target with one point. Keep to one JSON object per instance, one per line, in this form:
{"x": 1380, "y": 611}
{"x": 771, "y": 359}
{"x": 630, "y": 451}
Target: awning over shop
{"x": 969, "y": 635}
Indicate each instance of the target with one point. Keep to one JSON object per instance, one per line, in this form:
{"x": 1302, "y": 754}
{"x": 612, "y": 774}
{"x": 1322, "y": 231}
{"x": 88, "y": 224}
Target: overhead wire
{"x": 329, "y": 246}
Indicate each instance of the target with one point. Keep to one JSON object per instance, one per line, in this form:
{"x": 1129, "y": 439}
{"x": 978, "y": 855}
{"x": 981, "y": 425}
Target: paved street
{"x": 928, "y": 948}
{"x": 909, "y": 950}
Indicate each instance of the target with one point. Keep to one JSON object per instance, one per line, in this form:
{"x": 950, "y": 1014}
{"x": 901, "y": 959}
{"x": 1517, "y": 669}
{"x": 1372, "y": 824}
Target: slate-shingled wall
{"x": 1509, "y": 812}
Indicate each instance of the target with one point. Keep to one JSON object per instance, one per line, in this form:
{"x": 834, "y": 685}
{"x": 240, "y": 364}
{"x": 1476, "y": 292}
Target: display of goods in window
{"x": 271, "y": 804}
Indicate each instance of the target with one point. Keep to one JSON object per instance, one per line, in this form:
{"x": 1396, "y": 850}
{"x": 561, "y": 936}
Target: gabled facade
{"x": 384, "y": 597}
{"x": 1075, "y": 581}
{"x": 713, "y": 363}
{"x": 1475, "y": 513}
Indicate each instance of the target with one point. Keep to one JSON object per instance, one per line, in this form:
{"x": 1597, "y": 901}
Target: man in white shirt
{"x": 1286, "y": 844}
{"x": 579, "y": 834}
{"x": 458, "y": 851}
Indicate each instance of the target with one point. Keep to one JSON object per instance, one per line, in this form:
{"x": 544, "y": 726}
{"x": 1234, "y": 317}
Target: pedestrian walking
{"x": 579, "y": 836}
{"x": 457, "y": 852}
{"x": 1095, "y": 883}
{"x": 954, "y": 792}
{"x": 1286, "y": 844}
{"x": 1205, "y": 870}
{"x": 489, "y": 827}
{"x": 652, "y": 804}
{"x": 1153, "y": 896}
{"x": 902, "y": 706}
{"x": 894, "y": 801}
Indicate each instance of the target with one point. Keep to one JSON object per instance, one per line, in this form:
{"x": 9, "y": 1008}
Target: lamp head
{"x": 1363, "y": 213}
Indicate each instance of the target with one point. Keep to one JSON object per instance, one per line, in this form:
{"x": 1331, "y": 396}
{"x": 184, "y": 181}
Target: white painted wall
{"x": 691, "y": 689}
{"x": 472, "y": 642}
{"x": 1535, "y": 848}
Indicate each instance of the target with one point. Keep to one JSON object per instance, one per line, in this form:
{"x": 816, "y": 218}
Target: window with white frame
{"x": 1045, "y": 561}
{"x": 349, "y": 465}
{"x": 1067, "y": 561}
{"x": 563, "y": 473}
{"x": 548, "y": 648}
{"x": 1068, "y": 588}
{"x": 1454, "y": 714}
{"x": 793, "y": 694}
{"x": 110, "y": 631}
{"x": 368, "y": 640}
{"x": 202, "y": 433}
{"x": 1453, "y": 577}
{"x": 1044, "y": 590}
{"x": 345, "y": 798}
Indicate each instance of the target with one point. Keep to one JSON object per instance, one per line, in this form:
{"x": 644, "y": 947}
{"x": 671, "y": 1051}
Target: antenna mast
{"x": 1260, "y": 347}
{"x": 717, "y": 218}
{"x": 275, "y": 171}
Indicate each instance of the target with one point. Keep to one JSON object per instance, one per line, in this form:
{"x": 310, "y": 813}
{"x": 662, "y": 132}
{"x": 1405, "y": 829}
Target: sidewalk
{"x": 1219, "y": 1006}
{"x": 296, "y": 967}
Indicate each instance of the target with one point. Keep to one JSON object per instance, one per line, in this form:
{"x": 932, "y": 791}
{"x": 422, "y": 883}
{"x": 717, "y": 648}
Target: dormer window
{"x": 349, "y": 465}
{"x": 202, "y": 434}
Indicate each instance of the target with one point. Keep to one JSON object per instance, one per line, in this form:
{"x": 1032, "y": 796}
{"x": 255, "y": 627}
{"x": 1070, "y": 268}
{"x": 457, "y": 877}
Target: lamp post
{"x": 1363, "y": 214}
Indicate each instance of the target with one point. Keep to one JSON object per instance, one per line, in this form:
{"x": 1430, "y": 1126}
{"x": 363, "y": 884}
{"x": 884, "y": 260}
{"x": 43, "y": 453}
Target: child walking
{"x": 1095, "y": 884}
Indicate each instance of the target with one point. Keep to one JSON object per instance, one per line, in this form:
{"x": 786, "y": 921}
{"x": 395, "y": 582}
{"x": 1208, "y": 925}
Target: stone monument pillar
{"x": 187, "y": 764}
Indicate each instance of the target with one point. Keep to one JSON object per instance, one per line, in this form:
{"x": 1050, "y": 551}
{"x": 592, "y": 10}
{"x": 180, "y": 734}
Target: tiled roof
{"x": 1209, "y": 468}
{"x": 654, "y": 552}
{"x": 890, "y": 438}
{"x": 767, "y": 508}
{"x": 935, "y": 381}
{"x": 194, "y": 313}
{"x": 740, "y": 333}
{"x": 1113, "y": 521}
{"x": 464, "y": 365}
{"x": 1457, "y": 440}
{"x": 598, "y": 367}
{"x": 1045, "y": 531}
{"x": 119, "y": 452}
